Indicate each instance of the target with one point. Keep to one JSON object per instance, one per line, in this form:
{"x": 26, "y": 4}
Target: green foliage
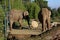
{"x": 15, "y": 4}
{"x": 42, "y": 3}
{"x": 49, "y": 8}
{"x": 54, "y": 13}
{"x": 58, "y": 9}
{"x": 2, "y": 14}
{"x": 37, "y": 9}
{"x": 2, "y": 38}
{"x": 33, "y": 9}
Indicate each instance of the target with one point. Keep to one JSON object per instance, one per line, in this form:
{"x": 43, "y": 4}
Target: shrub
{"x": 33, "y": 9}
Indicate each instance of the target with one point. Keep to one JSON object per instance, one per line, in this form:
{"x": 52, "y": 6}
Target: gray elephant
{"x": 18, "y": 15}
{"x": 44, "y": 18}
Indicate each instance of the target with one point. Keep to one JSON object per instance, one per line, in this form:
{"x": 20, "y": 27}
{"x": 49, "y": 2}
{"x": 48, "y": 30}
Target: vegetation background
{"x": 33, "y": 7}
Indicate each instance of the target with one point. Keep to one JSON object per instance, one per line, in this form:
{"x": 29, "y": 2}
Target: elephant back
{"x": 44, "y": 13}
{"x": 15, "y": 14}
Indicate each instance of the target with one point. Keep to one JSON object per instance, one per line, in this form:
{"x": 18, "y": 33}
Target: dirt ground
{"x": 53, "y": 34}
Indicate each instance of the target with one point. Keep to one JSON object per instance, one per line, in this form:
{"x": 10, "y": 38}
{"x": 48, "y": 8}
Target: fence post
{"x": 5, "y": 22}
{"x": 6, "y": 18}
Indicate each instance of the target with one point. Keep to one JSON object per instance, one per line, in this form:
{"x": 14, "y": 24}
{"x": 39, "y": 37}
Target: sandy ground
{"x": 53, "y": 34}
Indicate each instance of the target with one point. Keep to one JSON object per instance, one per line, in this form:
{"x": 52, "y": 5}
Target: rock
{"x": 54, "y": 24}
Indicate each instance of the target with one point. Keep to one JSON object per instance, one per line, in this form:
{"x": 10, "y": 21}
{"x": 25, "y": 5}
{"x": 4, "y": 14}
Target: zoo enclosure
{"x": 18, "y": 4}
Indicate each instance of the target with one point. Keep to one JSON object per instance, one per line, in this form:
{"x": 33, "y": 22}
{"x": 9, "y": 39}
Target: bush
{"x": 15, "y": 4}
{"x": 33, "y": 9}
{"x": 2, "y": 15}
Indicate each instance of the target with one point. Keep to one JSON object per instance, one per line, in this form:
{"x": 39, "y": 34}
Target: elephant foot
{"x": 43, "y": 30}
{"x": 20, "y": 28}
{"x": 10, "y": 29}
{"x": 29, "y": 28}
{"x": 49, "y": 28}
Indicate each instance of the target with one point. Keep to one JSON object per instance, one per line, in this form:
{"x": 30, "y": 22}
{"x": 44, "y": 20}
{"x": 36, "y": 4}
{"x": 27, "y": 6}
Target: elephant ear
{"x": 26, "y": 13}
{"x": 49, "y": 12}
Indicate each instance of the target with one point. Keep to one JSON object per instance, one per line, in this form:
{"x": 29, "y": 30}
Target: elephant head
{"x": 25, "y": 13}
{"x": 26, "y": 16}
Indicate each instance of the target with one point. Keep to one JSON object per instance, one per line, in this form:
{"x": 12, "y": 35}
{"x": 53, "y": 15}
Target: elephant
{"x": 44, "y": 18}
{"x": 18, "y": 15}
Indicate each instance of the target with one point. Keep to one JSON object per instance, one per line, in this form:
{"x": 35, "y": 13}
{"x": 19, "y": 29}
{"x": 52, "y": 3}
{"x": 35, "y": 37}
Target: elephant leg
{"x": 43, "y": 24}
{"x": 11, "y": 22}
{"x": 48, "y": 23}
{"x": 20, "y": 22}
{"x": 28, "y": 19}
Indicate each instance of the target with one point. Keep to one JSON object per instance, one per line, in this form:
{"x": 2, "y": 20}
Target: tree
{"x": 18, "y": 5}
{"x": 0, "y": 1}
{"x": 2, "y": 15}
{"x": 58, "y": 10}
{"x": 49, "y": 8}
{"x": 42, "y": 3}
{"x": 24, "y": 1}
{"x": 54, "y": 13}
{"x": 33, "y": 9}
{"x": 15, "y": 4}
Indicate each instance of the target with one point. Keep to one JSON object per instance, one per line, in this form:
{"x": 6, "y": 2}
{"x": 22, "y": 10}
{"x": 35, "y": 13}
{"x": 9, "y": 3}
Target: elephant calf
{"x": 44, "y": 18}
{"x": 17, "y": 15}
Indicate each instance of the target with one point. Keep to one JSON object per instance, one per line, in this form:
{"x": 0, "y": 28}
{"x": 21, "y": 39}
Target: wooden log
{"x": 34, "y": 24}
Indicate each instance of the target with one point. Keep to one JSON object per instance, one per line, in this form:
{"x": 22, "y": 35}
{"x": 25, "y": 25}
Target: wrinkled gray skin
{"x": 17, "y": 15}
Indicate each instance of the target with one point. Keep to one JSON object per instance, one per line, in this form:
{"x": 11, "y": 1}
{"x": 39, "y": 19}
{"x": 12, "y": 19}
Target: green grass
{"x": 24, "y": 23}
{"x": 1, "y": 38}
